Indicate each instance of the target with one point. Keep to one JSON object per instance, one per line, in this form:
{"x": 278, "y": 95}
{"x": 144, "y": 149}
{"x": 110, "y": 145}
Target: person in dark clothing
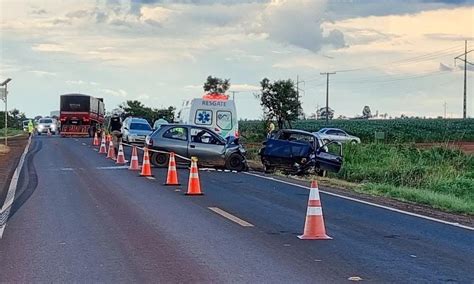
{"x": 115, "y": 129}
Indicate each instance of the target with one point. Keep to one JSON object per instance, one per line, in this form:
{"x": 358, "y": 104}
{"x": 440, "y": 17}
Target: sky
{"x": 395, "y": 56}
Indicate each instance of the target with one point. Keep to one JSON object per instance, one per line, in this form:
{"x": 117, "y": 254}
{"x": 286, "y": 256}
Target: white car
{"x": 135, "y": 130}
{"x": 336, "y": 134}
{"x": 47, "y": 123}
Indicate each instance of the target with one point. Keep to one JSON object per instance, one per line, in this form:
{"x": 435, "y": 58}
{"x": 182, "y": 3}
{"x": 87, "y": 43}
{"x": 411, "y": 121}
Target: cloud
{"x": 39, "y": 12}
{"x": 448, "y": 37}
{"x": 244, "y": 87}
{"x": 298, "y": 22}
{"x": 48, "y": 47}
{"x": 41, "y": 73}
{"x": 443, "y": 67}
{"x": 115, "y": 93}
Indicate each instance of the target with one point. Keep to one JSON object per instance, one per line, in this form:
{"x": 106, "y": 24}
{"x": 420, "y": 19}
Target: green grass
{"x": 10, "y": 132}
{"x": 438, "y": 177}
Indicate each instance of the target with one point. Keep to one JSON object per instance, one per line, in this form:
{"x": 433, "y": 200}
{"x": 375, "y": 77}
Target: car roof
{"x": 297, "y": 131}
{"x": 137, "y": 119}
{"x": 331, "y": 128}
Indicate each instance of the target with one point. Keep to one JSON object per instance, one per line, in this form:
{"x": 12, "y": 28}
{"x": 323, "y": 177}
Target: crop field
{"x": 395, "y": 130}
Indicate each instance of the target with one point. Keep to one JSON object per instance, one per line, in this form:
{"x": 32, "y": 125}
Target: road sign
{"x": 3, "y": 94}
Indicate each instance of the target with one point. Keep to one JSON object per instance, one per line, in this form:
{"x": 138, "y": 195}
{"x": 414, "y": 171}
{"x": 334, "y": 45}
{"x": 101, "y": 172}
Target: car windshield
{"x": 140, "y": 126}
{"x": 45, "y": 121}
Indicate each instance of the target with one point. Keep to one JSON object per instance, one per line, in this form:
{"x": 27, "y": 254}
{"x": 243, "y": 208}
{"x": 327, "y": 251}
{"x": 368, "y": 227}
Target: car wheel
{"x": 353, "y": 142}
{"x": 235, "y": 162}
{"x": 159, "y": 159}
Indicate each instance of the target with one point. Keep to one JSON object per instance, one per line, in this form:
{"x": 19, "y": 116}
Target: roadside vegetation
{"x": 439, "y": 177}
{"x": 10, "y": 132}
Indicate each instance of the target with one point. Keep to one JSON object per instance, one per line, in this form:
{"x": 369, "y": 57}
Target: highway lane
{"x": 85, "y": 224}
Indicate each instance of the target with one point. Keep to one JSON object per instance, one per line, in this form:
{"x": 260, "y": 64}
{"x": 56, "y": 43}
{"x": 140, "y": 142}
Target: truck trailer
{"x": 81, "y": 115}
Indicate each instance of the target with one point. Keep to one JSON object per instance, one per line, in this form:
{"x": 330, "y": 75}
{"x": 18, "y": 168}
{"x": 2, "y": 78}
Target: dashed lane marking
{"x": 369, "y": 203}
{"x": 151, "y": 178}
{"x": 83, "y": 144}
{"x": 230, "y": 217}
{"x": 97, "y": 150}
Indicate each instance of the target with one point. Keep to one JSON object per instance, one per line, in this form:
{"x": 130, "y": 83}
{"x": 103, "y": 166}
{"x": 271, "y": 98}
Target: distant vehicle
{"x": 81, "y": 114}
{"x": 336, "y": 134}
{"x": 205, "y": 144}
{"x": 299, "y": 152}
{"x": 135, "y": 130}
{"x": 214, "y": 111}
{"x": 158, "y": 123}
{"x": 45, "y": 124}
{"x": 24, "y": 123}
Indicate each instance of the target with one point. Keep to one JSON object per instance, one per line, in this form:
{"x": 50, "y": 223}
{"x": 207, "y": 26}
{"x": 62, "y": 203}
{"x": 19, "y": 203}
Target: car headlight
{"x": 40, "y": 126}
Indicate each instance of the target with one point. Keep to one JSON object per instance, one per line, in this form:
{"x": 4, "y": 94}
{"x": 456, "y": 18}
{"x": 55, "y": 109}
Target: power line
{"x": 464, "y": 109}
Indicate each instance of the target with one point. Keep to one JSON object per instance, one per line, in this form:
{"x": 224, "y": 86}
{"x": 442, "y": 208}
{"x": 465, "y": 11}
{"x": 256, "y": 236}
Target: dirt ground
{"x": 466, "y": 147}
{"x": 9, "y": 159}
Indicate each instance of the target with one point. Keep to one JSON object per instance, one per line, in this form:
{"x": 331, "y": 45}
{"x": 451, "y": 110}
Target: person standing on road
{"x": 31, "y": 127}
{"x": 115, "y": 128}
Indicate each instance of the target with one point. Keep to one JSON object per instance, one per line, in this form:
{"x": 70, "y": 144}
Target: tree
{"x": 280, "y": 101}
{"x": 216, "y": 85}
{"x": 366, "y": 113}
{"x": 321, "y": 113}
{"x": 137, "y": 109}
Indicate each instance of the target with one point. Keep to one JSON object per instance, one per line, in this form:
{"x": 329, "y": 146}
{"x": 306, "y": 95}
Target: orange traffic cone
{"x": 314, "y": 226}
{"x": 194, "y": 186}
{"x": 111, "y": 152}
{"x": 95, "y": 142}
{"x": 146, "y": 168}
{"x": 172, "y": 178}
{"x": 121, "y": 156}
{"x": 102, "y": 149}
{"x": 134, "y": 160}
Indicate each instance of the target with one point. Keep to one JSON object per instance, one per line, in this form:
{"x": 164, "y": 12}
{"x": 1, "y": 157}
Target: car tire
{"x": 235, "y": 162}
{"x": 159, "y": 159}
{"x": 354, "y": 142}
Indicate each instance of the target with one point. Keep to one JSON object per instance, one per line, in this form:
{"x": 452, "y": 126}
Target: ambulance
{"x": 214, "y": 111}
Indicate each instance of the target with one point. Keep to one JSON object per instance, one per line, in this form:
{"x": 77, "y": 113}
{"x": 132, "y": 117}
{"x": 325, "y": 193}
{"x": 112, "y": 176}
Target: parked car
{"x": 336, "y": 134}
{"x": 198, "y": 141}
{"x": 158, "y": 123}
{"x": 299, "y": 152}
{"x": 47, "y": 123}
{"x": 135, "y": 130}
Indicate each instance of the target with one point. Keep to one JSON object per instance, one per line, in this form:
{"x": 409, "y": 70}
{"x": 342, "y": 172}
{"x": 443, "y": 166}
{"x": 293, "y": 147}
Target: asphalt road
{"x": 78, "y": 219}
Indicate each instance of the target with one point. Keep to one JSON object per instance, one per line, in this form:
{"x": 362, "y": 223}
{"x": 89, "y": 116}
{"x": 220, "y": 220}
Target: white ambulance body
{"x": 214, "y": 111}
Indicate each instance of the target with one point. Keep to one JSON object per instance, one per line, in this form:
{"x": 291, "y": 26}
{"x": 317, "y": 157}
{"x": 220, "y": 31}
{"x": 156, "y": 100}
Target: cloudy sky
{"x": 395, "y": 56}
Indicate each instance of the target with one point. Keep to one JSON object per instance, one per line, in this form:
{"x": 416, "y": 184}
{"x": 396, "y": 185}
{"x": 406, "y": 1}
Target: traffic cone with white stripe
{"x": 95, "y": 142}
{"x": 121, "y": 156}
{"x": 172, "y": 177}
{"x": 102, "y": 149}
{"x": 194, "y": 186}
{"x": 111, "y": 151}
{"x": 146, "y": 168}
{"x": 134, "y": 160}
{"x": 314, "y": 226}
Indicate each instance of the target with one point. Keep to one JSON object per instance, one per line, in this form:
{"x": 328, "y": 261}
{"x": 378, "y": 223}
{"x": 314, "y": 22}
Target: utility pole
{"x": 233, "y": 95}
{"x": 327, "y": 94}
{"x": 4, "y": 97}
{"x": 298, "y": 89}
{"x": 464, "y": 110}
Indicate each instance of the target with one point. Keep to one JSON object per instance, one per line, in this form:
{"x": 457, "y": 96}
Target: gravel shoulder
{"x": 9, "y": 157}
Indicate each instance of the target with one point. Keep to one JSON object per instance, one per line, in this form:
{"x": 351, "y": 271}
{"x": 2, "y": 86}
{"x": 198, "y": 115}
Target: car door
{"x": 341, "y": 136}
{"x": 206, "y": 146}
{"x": 174, "y": 139}
{"x": 329, "y": 160}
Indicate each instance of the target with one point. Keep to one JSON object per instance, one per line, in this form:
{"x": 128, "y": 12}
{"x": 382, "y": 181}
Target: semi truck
{"x": 81, "y": 115}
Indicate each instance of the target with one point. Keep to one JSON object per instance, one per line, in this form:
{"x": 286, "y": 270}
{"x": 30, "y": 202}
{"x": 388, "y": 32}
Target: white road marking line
{"x": 97, "y": 150}
{"x": 369, "y": 203}
{"x": 230, "y": 217}
{"x": 112, "y": 168}
{"x": 83, "y": 144}
{"x": 67, "y": 169}
{"x": 151, "y": 178}
{"x": 76, "y": 139}
{"x": 12, "y": 188}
